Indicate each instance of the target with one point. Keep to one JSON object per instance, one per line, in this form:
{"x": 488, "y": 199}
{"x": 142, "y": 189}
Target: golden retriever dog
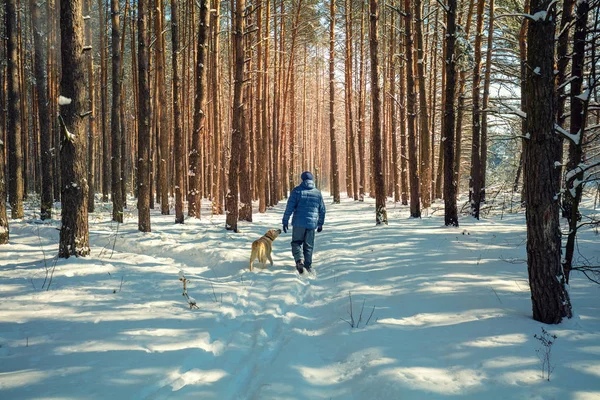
{"x": 261, "y": 248}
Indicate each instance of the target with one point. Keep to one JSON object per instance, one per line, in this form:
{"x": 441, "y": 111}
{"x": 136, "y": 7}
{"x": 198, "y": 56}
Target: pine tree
{"x": 380, "y": 193}
{"x": 74, "y": 234}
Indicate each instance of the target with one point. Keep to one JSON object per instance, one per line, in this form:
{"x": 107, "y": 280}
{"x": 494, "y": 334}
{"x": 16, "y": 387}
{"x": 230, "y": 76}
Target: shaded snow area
{"x": 451, "y": 312}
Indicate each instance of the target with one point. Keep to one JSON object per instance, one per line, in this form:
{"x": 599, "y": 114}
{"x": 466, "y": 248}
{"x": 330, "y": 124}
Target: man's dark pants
{"x": 303, "y": 241}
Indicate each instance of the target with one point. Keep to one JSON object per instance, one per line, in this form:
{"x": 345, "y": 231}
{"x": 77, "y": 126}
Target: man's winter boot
{"x": 300, "y": 266}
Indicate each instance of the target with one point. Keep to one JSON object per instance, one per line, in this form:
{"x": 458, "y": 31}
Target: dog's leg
{"x": 270, "y": 260}
{"x": 251, "y": 261}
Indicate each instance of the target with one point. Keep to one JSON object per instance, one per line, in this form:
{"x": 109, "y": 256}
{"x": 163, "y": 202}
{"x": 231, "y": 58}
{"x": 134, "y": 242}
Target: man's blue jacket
{"x": 306, "y": 202}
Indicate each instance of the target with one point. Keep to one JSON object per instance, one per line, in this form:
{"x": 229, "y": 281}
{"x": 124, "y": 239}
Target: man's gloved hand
{"x": 319, "y": 228}
{"x": 285, "y": 228}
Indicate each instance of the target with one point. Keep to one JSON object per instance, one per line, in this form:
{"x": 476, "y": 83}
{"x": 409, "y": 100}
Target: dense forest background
{"x": 180, "y": 102}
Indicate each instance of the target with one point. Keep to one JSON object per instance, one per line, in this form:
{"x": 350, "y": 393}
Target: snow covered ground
{"x": 451, "y": 314}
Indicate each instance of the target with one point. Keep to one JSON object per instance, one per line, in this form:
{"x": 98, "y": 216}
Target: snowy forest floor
{"x": 451, "y": 312}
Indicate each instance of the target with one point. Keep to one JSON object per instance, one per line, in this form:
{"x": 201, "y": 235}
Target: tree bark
{"x": 403, "y": 139}
{"x": 351, "y": 173}
{"x": 413, "y": 165}
{"x": 218, "y": 167}
{"x": 232, "y": 211}
{"x": 523, "y": 45}
{"x": 361, "y": 109}
{"x": 261, "y": 173}
{"x": 450, "y": 207}
{"x": 143, "y": 120}
{"x": 41, "y": 85}
{"x": 425, "y": 134}
{"x": 562, "y": 57}
{"x": 115, "y": 116}
{"x": 579, "y": 112}
{"x": 195, "y": 190}
{"x": 380, "y": 194}
{"x": 15, "y": 148}
{"x": 395, "y": 163}
{"x": 74, "y": 234}
{"x": 161, "y": 112}
{"x": 106, "y": 163}
{"x": 475, "y": 181}
{"x": 334, "y": 178}
{"x": 4, "y": 228}
{"x": 549, "y": 297}
{"x": 91, "y": 173}
{"x": 177, "y": 117}
{"x": 245, "y": 207}
{"x": 486, "y": 98}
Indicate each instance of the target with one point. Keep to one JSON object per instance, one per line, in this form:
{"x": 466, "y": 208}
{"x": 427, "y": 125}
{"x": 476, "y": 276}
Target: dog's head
{"x": 273, "y": 233}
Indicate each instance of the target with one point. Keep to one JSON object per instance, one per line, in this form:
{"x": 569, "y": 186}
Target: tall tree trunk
{"x": 475, "y": 181}
{"x": 161, "y": 112}
{"x": 106, "y": 163}
{"x": 245, "y": 207}
{"x": 289, "y": 86}
{"x": 261, "y": 173}
{"x": 53, "y": 12}
{"x": 124, "y": 152}
{"x": 460, "y": 106}
{"x": 433, "y": 101}
{"x": 361, "y": 108}
{"x": 135, "y": 94}
{"x": 91, "y": 173}
{"x": 179, "y": 140}
{"x": 549, "y": 297}
{"x": 4, "y": 228}
{"x": 115, "y": 116}
{"x": 440, "y": 167}
{"x": 380, "y": 194}
{"x": 275, "y": 108}
{"x": 425, "y": 134}
{"x": 15, "y": 149}
{"x": 351, "y": 167}
{"x": 393, "y": 114}
{"x": 413, "y": 166}
{"x": 232, "y": 211}
{"x": 486, "y": 99}
{"x": 403, "y": 133}
{"x": 334, "y": 178}
{"x": 74, "y": 234}
{"x": 195, "y": 190}
{"x": 579, "y": 112}
{"x": 41, "y": 85}
{"x": 562, "y": 57}
{"x": 218, "y": 167}
{"x": 143, "y": 120}
{"x": 23, "y": 101}
{"x": 450, "y": 207}
{"x": 523, "y": 44}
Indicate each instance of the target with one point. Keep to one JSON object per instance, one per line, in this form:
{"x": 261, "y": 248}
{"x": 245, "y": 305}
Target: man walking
{"x": 306, "y": 203}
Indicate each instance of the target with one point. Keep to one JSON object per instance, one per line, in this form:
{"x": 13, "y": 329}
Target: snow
{"x": 573, "y": 137}
{"x": 452, "y": 312}
{"x": 539, "y": 16}
{"x": 585, "y": 96}
{"x": 63, "y": 101}
{"x": 521, "y": 113}
{"x": 69, "y": 135}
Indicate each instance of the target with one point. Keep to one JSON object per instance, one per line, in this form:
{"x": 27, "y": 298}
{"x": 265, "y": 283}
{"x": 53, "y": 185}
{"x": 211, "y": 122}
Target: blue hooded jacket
{"x": 306, "y": 202}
